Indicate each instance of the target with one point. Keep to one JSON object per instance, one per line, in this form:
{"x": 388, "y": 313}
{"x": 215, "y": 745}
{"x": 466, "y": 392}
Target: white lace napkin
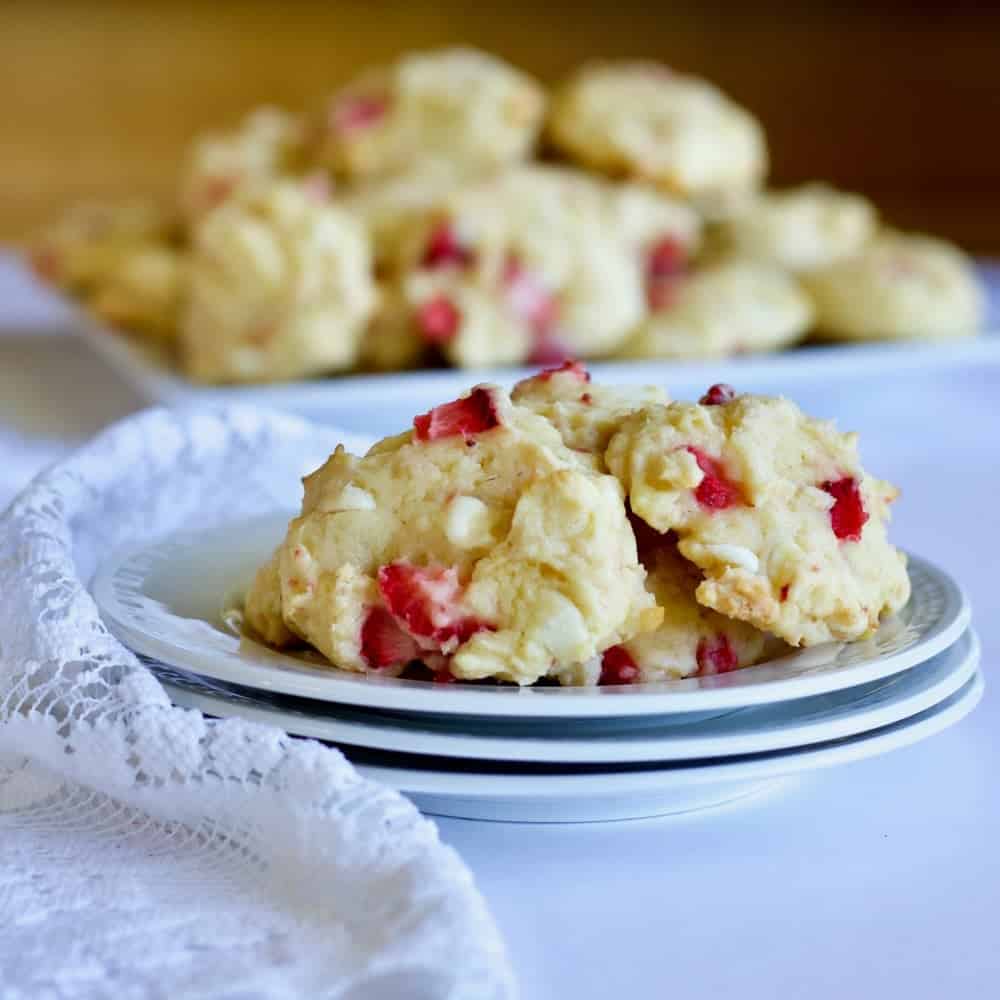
{"x": 148, "y": 852}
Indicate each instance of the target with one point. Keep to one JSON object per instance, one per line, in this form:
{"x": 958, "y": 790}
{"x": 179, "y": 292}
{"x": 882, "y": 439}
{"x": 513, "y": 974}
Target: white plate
{"x": 750, "y": 730}
{"x": 165, "y": 600}
{"x": 567, "y": 795}
{"x": 378, "y": 403}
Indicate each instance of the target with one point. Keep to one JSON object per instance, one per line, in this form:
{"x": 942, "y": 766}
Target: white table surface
{"x": 876, "y": 879}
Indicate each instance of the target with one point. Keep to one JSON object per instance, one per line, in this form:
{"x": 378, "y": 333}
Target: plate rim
{"x": 688, "y": 743}
{"x": 412, "y": 696}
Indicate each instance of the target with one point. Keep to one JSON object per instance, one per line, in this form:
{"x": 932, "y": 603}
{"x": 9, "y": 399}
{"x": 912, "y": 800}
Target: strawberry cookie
{"x": 476, "y": 543}
{"x": 691, "y": 641}
{"x": 538, "y": 265}
{"x": 584, "y": 414}
{"x": 773, "y": 507}
{"x": 280, "y": 286}
{"x": 639, "y": 119}
{"x": 721, "y": 309}
{"x": 457, "y": 105}
{"x": 801, "y": 229}
{"x": 266, "y": 145}
{"x": 899, "y": 286}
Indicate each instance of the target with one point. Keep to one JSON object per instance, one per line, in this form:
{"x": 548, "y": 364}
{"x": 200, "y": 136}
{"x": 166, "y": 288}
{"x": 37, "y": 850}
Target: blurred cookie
{"x": 458, "y": 105}
{"x": 280, "y": 287}
{"x": 639, "y": 119}
{"x": 800, "y": 229}
{"x": 900, "y": 286}
{"x": 722, "y": 309}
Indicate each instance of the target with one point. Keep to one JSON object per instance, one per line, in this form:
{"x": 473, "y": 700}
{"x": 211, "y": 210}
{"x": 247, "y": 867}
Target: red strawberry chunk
{"x": 574, "y": 368}
{"x": 384, "y": 643}
{"x": 618, "y": 667}
{"x": 783, "y": 596}
{"x": 666, "y": 263}
{"x": 528, "y": 297}
{"x": 718, "y": 394}
{"x": 715, "y": 491}
{"x": 438, "y": 320}
{"x": 444, "y": 249}
{"x": 666, "y": 257}
{"x": 468, "y": 416}
{"x": 847, "y": 515}
{"x": 444, "y": 676}
{"x": 716, "y": 656}
{"x": 359, "y": 111}
{"x": 549, "y": 350}
{"x": 427, "y": 600}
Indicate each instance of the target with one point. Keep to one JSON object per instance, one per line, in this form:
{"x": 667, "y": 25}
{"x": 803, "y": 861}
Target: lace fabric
{"x": 146, "y": 851}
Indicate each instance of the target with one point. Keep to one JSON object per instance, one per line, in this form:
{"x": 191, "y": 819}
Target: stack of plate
{"x": 551, "y": 754}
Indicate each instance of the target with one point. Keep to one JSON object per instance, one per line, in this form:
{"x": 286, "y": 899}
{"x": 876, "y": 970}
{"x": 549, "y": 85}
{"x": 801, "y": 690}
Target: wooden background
{"x": 900, "y": 101}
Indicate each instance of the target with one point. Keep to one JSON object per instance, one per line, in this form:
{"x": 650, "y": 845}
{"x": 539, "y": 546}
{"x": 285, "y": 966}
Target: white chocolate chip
{"x": 354, "y": 498}
{"x": 467, "y": 523}
{"x": 561, "y": 628}
{"x": 734, "y": 555}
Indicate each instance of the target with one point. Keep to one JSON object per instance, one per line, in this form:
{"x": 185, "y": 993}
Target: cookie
{"x": 265, "y": 146}
{"x": 900, "y": 286}
{"x": 89, "y": 241}
{"x": 476, "y": 543}
{"x": 773, "y": 506}
{"x": 280, "y": 286}
{"x": 142, "y": 292}
{"x": 458, "y": 105}
{"x": 585, "y": 415}
{"x": 691, "y": 641}
{"x": 721, "y": 309}
{"x": 638, "y": 119}
{"x": 800, "y": 229}
{"x": 538, "y": 265}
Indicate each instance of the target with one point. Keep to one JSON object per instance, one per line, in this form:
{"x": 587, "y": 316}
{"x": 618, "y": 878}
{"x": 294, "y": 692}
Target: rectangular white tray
{"x": 373, "y": 403}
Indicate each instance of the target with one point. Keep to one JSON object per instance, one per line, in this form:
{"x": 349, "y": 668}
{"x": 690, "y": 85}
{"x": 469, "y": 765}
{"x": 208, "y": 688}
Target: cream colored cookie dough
{"x": 638, "y": 119}
{"x": 536, "y": 264}
{"x": 457, "y": 105}
{"x": 723, "y": 309}
{"x": 800, "y": 229}
{"x": 774, "y": 507}
{"x": 88, "y": 243}
{"x": 584, "y": 414}
{"x": 280, "y": 286}
{"x": 142, "y": 292}
{"x": 692, "y": 640}
{"x": 265, "y": 146}
{"x": 900, "y": 286}
{"x": 477, "y": 543}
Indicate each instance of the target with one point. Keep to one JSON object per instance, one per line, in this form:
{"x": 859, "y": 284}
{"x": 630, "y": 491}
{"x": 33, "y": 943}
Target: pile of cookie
{"x": 446, "y": 209}
{"x": 584, "y": 534}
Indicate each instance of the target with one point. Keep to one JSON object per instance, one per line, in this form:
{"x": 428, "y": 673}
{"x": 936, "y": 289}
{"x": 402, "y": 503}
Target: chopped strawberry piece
{"x": 715, "y": 491}
{"x": 549, "y": 350}
{"x": 574, "y": 368}
{"x": 718, "y": 394}
{"x": 847, "y": 515}
{"x": 665, "y": 258}
{"x": 427, "y": 600}
{"x": 716, "y": 656}
{"x": 384, "y": 643}
{"x": 359, "y": 111}
{"x": 470, "y": 415}
{"x": 666, "y": 263}
{"x": 783, "y": 596}
{"x": 618, "y": 667}
{"x": 528, "y": 297}
{"x": 438, "y": 320}
{"x": 444, "y": 676}
{"x": 587, "y": 399}
{"x": 444, "y": 249}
